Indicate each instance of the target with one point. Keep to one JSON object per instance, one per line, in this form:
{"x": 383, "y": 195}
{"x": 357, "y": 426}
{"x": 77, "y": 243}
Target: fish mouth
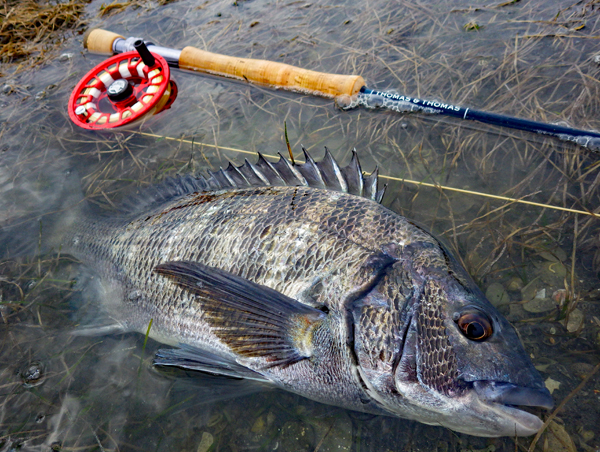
{"x": 511, "y": 394}
{"x": 509, "y": 400}
{"x": 516, "y": 422}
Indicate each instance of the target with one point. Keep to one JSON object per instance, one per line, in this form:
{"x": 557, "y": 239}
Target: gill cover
{"x": 430, "y": 347}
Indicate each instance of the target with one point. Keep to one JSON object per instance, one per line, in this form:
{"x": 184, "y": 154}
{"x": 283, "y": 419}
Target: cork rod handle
{"x": 261, "y": 72}
{"x": 270, "y": 73}
{"x": 100, "y": 41}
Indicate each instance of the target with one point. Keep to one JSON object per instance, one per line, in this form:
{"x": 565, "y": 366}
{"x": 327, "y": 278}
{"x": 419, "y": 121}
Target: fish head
{"x": 431, "y": 347}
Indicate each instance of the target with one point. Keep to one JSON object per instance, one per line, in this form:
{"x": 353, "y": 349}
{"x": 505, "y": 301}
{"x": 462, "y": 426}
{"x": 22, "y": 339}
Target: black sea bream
{"x": 296, "y": 275}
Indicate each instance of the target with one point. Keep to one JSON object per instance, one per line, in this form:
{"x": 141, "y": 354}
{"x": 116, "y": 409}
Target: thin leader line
{"x": 383, "y": 176}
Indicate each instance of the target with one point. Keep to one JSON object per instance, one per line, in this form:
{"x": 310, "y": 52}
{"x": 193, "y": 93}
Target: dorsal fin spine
{"x": 324, "y": 174}
{"x": 329, "y": 164}
{"x": 263, "y": 163}
{"x": 292, "y": 168}
{"x": 258, "y": 173}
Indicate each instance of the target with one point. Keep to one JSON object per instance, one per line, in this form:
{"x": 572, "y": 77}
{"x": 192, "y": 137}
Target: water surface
{"x": 530, "y": 59}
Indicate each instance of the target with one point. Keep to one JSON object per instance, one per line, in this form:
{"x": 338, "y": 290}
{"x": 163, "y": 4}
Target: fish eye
{"x": 475, "y": 326}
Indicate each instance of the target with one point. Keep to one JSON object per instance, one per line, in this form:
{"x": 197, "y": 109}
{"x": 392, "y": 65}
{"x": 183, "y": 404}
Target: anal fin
{"x": 255, "y": 321}
{"x": 192, "y": 358}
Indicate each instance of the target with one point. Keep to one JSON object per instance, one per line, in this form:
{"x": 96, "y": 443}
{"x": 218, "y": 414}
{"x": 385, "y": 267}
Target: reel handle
{"x": 261, "y": 72}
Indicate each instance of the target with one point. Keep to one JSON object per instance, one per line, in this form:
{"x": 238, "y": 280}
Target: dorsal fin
{"x": 324, "y": 174}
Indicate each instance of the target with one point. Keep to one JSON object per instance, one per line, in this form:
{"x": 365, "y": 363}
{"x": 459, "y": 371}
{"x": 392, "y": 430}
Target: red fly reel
{"x": 122, "y": 90}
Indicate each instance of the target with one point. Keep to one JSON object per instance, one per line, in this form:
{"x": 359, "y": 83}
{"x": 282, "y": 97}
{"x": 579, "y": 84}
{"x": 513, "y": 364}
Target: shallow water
{"x": 528, "y": 59}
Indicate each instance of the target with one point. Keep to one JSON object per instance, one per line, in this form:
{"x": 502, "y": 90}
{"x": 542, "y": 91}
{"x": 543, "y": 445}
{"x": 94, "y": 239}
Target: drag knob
{"x": 120, "y": 90}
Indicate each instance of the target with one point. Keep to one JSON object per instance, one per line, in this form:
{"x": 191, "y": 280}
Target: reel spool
{"x": 123, "y": 90}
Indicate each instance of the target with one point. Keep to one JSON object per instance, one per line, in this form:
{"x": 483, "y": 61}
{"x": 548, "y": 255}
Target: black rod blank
{"x": 398, "y": 102}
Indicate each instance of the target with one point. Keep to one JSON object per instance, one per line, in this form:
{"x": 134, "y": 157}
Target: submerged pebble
{"x": 206, "y": 442}
{"x": 555, "y": 255}
{"x": 497, "y": 295}
{"x": 538, "y": 305}
{"x": 33, "y": 374}
{"x": 514, "y": 284}
{"x": 530, "y": 290}
{"x": 575, "y": 321}
{"x": 552, "y": 272}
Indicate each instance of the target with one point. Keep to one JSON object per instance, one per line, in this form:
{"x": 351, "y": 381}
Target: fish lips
{"x": 506, "y": 400}
{"x": 511, "y": 394}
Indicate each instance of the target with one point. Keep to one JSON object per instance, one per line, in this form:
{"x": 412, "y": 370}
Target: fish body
{"x": 296, "y": 275}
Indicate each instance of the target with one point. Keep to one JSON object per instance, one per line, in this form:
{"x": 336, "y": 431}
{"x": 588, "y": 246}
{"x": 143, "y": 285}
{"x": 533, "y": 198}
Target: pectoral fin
{"x": 253, "y": 320}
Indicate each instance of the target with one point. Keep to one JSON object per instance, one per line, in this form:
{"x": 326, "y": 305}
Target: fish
{"x": 297, "y": 276}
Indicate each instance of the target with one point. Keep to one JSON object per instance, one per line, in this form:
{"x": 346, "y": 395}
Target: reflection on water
{"x": 539, "y": 265}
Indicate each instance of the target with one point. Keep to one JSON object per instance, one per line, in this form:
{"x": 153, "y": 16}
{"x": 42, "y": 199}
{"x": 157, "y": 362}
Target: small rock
{"x": 551, "y": 384}
{"x": 514, "y": 284}
{"x": 530, "y": 290}
{"x": 65, "y": 57}
{"x": 555, "y": 255}
{"x": 40, "y": 95}
{"x": 597, "y": 59}
{"x": 575, "y": 321}
{"x": 33, "y": 375}
{"x": 497, "y": 295}
{"x": 552, "y": 272}
{"x": 206, "y": 442}
{"x": 538, "y": 305}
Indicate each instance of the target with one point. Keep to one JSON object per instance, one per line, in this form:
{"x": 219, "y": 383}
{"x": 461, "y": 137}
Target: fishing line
{"x": 383, "y": 176}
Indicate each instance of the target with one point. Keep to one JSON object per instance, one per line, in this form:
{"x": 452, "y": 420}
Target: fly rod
{"x": 350, "y": 91}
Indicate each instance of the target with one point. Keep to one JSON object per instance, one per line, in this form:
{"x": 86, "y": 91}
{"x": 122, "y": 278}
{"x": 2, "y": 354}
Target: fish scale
{"x": 229, "y": 237}
{"x": 312, "y": 285}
